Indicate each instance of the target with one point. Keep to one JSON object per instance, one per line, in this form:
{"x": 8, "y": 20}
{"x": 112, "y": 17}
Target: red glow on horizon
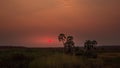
{"x": 42, "y": 40}
{"x": 49, "y": 41}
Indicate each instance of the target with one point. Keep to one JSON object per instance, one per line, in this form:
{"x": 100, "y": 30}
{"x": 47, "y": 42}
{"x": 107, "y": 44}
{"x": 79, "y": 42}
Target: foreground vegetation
{"x": 55, "y": 58}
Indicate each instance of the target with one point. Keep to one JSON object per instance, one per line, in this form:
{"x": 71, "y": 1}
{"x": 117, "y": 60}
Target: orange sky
{"x": 30, "y": 21}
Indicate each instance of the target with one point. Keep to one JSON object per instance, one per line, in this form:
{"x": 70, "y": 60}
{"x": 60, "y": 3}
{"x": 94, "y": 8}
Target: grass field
{"x": 55, "y": 58}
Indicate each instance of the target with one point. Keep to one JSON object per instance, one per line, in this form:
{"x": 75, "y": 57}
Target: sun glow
{"x": 50, "y": 41}
{"x": 42, "y": 40}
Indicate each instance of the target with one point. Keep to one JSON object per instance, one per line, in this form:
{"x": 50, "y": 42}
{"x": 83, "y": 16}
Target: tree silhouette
{"x": 69, "y": 45}
{"x": 89, "y": 45}
{"x": 67, "y": 42}
{"x": 62, "y": 38}
{"x": 94, "y": 43}
{"x": 70, "y": 38}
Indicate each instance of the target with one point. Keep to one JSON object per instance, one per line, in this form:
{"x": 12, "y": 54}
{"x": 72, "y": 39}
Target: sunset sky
{"x": 40, "y": 21}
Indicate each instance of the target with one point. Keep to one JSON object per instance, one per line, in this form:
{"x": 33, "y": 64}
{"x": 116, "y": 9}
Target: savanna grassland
{"x": 55, "y": 58}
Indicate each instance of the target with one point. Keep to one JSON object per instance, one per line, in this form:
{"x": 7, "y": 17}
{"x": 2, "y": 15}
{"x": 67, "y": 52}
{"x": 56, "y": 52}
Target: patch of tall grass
{"x": 65, "y": 61}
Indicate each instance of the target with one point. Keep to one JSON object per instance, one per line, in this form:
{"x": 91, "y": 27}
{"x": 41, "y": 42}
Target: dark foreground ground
{"x": 20, "y": 57}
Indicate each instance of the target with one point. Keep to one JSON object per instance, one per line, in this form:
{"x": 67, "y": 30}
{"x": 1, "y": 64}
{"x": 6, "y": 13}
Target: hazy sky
{"x": 40, "y": 21}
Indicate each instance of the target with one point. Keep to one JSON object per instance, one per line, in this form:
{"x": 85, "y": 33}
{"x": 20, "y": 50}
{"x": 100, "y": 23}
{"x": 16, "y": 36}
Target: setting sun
{"x": 42, "y": 40}
{"x": 49, "y": 41}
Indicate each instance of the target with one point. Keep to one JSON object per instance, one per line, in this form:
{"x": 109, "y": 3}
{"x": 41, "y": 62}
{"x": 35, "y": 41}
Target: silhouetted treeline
{"x": 4, "y": 47}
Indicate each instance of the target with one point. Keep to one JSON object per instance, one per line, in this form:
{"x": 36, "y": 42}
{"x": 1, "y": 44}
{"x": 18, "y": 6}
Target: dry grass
{"x": 52, "y": 58}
